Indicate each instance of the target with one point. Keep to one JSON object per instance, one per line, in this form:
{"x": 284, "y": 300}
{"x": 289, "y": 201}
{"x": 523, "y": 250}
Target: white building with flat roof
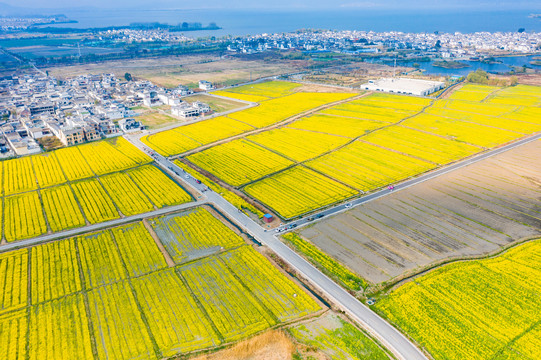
{"x": 404, "y": 86}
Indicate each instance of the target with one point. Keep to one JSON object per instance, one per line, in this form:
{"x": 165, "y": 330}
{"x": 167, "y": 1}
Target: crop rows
{"x": 239, "y": 161}
{"x": 193, "y": 234}
{"x": 279, "y": 109}
{"x": 394, "y": 137}
{"x": 59, "y": 319}
{"x": 61, "y": 208}
{"x": 422, "y": 145}
{"x": 297, "y": 191}
{"x": 297, "y": 145}
{"x": 160, "y": 189}
{"x": 84, "y": 161}
{"x": 188, "y": 137}
{"x": 55, "y": 271}
{"x": 337, "y": 125}
{"x": 280, "y": 295}
{"x": 122, "y": 302}
{"x": 125, "y": 194}
{"x": 228, "y": 195}
{"x": 477, "y": 308}
{"x": 472, "y": 92}
{"x": 235, "y": 312}
{"x": 367, "y": 167}
{"x": 133, "y": 192}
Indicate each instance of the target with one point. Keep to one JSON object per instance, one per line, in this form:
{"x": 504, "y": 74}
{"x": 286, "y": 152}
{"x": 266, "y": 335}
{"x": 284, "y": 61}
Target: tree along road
{"x": 390, "y": 337}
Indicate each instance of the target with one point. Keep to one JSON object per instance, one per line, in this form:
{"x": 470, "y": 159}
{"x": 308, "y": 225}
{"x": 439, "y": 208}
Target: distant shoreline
{"x": 135, "y": 26}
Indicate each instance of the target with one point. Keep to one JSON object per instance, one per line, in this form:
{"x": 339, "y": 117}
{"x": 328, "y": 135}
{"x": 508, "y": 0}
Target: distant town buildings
{"x": 205, "y": 85}
{"x": 404, "y": 86}
{"x": 34, "y": 106}
{"x": 445, "y": 45}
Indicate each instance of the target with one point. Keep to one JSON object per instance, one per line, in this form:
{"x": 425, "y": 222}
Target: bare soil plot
{"x": 185, "y": 70}
{"x": 472, "y": 211}
{"x": 216, "y": 104}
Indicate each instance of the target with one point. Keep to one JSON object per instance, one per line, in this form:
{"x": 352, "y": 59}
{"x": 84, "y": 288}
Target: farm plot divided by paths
{"x": 471, "y": 211}
{"x": 61, "y": 190}
{"x": 482, "y": 309}
{"x": 111, "y": 295}
{"x": 369, "y": 143}
{"x": 279, "y": 103}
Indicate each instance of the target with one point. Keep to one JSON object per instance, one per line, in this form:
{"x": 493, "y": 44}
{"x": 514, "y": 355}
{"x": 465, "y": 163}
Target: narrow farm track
{"x": 270, "y": 127}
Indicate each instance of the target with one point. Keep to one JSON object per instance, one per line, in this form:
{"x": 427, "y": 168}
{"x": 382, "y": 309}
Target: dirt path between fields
{"x": 168, "y": 258}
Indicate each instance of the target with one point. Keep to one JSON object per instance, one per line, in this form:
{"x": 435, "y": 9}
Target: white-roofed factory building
{"x": 404, "y": 86}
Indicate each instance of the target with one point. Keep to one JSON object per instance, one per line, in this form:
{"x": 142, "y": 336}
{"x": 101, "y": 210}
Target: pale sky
{"x": 284, "y": 4}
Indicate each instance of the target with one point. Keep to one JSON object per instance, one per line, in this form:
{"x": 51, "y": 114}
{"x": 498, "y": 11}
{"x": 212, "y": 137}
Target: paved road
{"x": 403, "y": 185}
{"x": 391, "y": 338}
{"x": 96, "y": 227}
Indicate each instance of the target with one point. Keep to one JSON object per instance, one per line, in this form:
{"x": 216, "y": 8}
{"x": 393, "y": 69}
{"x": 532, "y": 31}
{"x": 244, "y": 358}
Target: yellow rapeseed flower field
{"x": 139, "y": 251}
{"x": 239, "y": 96}
{"x": 126, "y": 195}
{"x": 193, "y": 233}
{"x": 96, "y": 204}
{"x": 279, "y": 109}
{"x": 297, "y": 145}
{"x": 191, "y": 136}
{"x": 298, "y": 190}
{"x": 111, "y": 293}
{"x": 119, "y": 330}
{"x": 267, "y": 89}
{"x": 239, "y": 161}
{"x": 468, "y": 132}
{"x": 235, "y": 312}
{"x": 280, "y": 295}
{"x": 525, "y": 95}
{"x": 19, "y": 176}
{"x": 366, "y": 167}
{"x": 473, "y": 92}
{"x": 48, "y": 170}
{"x": 420, "y": 144}
{"x": 230, "y": 196}
{"x": 13, "y": 329}
{"x": 61, "y": 208}
{"x": 103, "y": 158}
{"x": 54, "y": 271}
{"x": 175, "y": 320}
{"x": 14, "y": 282}
{"x": 73, "y": 163}
{"x": 23, "y": 216}
{"x": 337, "y": 125}
{"x": 159, "y": 188}
{"x": 482, "y": 309}
{"x": 64, "y": 319}
{"x": 100, "y": 260}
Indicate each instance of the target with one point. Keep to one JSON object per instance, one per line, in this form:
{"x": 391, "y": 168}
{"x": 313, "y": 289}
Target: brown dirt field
{"x": 530, "y": 79}
{"x": 270, "y": 345}
{"x": 469, "y": 212}
{"x": 186, "y": 70}
{"x": 216, "y": 104}
{"x": 324, "y": 89}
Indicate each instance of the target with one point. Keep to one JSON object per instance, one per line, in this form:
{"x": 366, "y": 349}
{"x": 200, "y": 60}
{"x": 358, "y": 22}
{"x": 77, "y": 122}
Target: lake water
{"x": 236, "y": 22}
{"x": 503, "y": 67}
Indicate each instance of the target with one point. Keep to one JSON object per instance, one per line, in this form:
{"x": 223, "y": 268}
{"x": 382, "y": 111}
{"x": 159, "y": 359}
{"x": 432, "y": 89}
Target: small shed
{"x": 268, "y": 218}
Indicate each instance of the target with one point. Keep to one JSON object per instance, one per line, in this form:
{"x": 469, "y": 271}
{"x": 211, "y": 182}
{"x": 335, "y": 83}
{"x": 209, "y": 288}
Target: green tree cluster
{"x": 478, "y": 77}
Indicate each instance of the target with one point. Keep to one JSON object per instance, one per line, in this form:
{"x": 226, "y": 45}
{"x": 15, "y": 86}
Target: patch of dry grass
{"x": 271, "y": 345}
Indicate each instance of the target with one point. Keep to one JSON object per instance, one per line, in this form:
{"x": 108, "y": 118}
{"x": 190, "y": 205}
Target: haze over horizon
{"x": 35, "y": 5}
